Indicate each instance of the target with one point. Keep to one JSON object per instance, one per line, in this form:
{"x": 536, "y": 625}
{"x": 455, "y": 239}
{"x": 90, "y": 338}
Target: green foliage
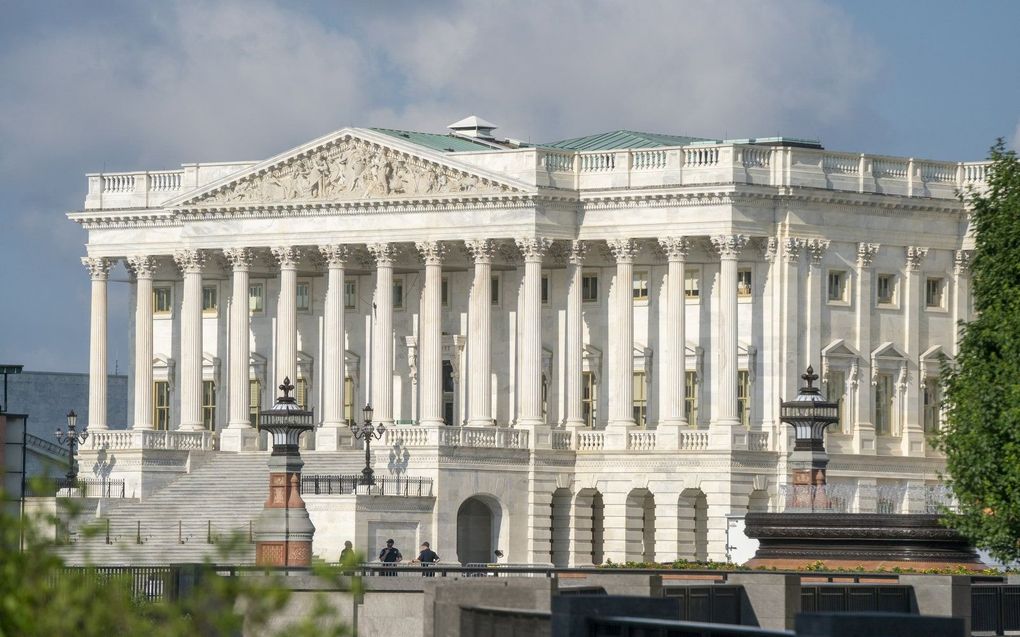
{"x": 981, "y": 438}
{"x": 40, "y": 596}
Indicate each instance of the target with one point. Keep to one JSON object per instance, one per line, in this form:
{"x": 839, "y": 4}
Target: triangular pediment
{"x": 351, "y": 164}
{"x": 839, "y": 348}
{"x": 889, "y": 351}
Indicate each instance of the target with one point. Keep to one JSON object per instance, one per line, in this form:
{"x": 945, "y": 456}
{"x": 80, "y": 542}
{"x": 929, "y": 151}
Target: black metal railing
{"x": 883, "y": 598}
{"x": 147, "y": 583}
{"x": 719, "y": 603}
{"x": 995, "y": 609}
{"x": 91, "y": 488}
{"x": 327, "y": 484}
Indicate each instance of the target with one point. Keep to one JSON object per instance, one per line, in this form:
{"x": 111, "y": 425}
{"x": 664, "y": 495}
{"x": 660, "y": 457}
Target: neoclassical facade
{"x": 590, "y": 338}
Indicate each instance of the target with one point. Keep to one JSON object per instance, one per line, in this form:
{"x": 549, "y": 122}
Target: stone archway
{"x": 692, "y": 525}
{"x": 478, "y": 522}
{"x": 640, "y": 526}
{"x": 559, "y": 527}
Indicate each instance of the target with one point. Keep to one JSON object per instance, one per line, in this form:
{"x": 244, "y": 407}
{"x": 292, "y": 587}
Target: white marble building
{"x": 584, "y": 341}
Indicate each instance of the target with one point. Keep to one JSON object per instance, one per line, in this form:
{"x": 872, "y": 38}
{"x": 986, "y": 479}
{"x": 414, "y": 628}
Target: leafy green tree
{"x": 981, "y": 438}
{"x": 40, "y": 596}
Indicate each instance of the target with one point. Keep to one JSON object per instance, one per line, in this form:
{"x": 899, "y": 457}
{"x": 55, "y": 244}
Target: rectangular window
{"x": 257, "y": 297}
{"x": 744, "y": 397}
{"x": 932, "y": 405}
{"x": 835, "y": 392}
{"x": 588, "y": 398}
{"x": 210, "y": 299}
{"x": 883, "y": 404}
{"x": 691, "y": 398}
{"x": 885, "y": 288}
{"x": 444, "y": 292}
{"x": 590, "y": 287}
{"x": 933, "y": 292}
{"x": 301, "y": 393}
{"x": 692, "y": 283}
{"x": 161, "y": 405}
{"x": 304, "y": 296}
{"x": 209, "y": 404}
{"x": 837, "y": 286}
{"x": 640, "y": 285}
{"x": 350, "y": 294}
{"x": 640, "y": 399}
{"x": 398, "y": 294}
{"x": 254, "y": 402}
{"x": 494, "y": 290}
{"x": 743, "y": 283}
{"x": 349, "y": 399}
{"x": 545, "y": 289}
{"x": 161, "y": 300}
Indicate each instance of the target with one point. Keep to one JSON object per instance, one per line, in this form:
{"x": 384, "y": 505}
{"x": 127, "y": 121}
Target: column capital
{"x": 675, "y": 248}
{"x": 98, "y": 267}
{"x": 533, "y": 248}
{"x": 383, "y": 253}
{"x": 576, "y": 252}
{"x": 792, "y": 247}
{"x": 239, "y": 258}
{"x": 729, "y": 246}
{"x": 816, "y": 249}
{"x": 142, "y": 266}
{"x": 866, "y": 254}
{"x": 286, "y": 256}
{"x": 623, "y": 250}
{"x": 482, "y": 250}
{"x": 915, "y": 256}
{"x": 770, "y": 249}
{"x": 432, "y": 252}
{"x": 190, "y": 261}
{"x": 335, "y": 255}
{"x": 961, "y": 261}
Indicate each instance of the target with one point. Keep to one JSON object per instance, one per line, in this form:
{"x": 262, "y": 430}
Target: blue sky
{"x": 132, "y": 85}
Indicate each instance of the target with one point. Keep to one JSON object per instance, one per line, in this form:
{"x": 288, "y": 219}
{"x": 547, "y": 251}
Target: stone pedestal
{"x": 283, "y": 531}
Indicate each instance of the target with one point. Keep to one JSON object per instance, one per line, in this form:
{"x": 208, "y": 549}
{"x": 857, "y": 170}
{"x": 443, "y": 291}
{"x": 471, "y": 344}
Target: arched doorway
{"x": 692, "y": 526}
{"x": 559, "y": 528}
{"x": 640, "y": 526}
{"x": 477, "y": 528}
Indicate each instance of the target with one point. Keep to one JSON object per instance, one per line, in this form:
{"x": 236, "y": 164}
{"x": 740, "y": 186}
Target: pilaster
{"x": 912, "y": 432}
{"x": 864, "y": 429}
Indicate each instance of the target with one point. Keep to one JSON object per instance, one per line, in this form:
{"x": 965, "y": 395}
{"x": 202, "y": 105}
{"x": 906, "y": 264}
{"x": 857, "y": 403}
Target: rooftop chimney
{"x": 473, "y": 126}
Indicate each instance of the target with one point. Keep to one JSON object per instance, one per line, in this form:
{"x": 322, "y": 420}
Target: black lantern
{"x": 365, "y": 431}
{"x": 809, "y": 414}
{"x": 286, "y": 421}
{"x": 71, "y": 438}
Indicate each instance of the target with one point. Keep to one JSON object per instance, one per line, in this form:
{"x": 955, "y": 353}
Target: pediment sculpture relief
{"x": 351, "y": 169}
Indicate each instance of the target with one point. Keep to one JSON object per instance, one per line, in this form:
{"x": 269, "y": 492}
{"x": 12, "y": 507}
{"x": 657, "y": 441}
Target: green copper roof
{"x": 621, "y": 139}
{"x": 442, "y": 143}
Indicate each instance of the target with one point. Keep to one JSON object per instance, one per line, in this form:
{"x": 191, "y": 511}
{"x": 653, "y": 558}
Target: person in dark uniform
{"x": 427, "y": 557}
{"x": 390, "y": 555}
{"x": 348, "y": 553}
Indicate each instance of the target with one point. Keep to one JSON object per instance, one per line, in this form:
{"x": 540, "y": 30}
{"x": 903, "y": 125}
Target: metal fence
{"x": 883, "y": 598}
{"x": 147, "y": 583}
{"x": 719, "y": 603}
{"x": 995, "y": 609}
{"x": 346, "y": 484}
{"x": 91, "y": 488}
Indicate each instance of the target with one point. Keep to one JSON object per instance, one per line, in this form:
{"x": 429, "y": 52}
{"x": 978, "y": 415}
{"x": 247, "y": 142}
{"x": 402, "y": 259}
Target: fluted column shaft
{"x": 143, "y": 268}
{"x": 530, "y": 353}
{"x": 334, "y": 336}
{"x": 574, "y": 418}
{"x": 621, "y": 336}
{"x": 479, "y": 336}
{"x": 286, "y": 315}
{"x": 430, "y": 334}
{"x": 673, "y": 383}
{"x": 99, "y": 271}
{"x": 382, "y": 336}
{"x": 239, "y": 394}
{"x": 729, "y": 247}
{"x": 190, "y": 262}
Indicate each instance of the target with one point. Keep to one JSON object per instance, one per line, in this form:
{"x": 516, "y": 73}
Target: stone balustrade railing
{"x": 115, "y": 440}
{"x": 693, "y": 440}
{"x": 758, "y": 440}
{"x": 590, "y": 440}
{"x": 487, "y": 437}
{"x": 641, "y": 440}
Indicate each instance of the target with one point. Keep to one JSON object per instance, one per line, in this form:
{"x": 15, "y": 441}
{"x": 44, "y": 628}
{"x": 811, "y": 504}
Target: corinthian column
{"x": 99, "y": 271}
{"x": 190, "y": 263}
{"x": 575, "y": 336}
{"x": 673, "y": 385}
{"x": 621, "y": 337}
{"x": 479, "y": 335}
{"x": 333, "y": 348}
{"x": 725, "y": 406}
{"x": 430, "y": 334}
{"x": 239, "y": 395}
{"x": 286, "y": 315}
{"x": 533, "y": 249}
{"x": 382, "y": 333}
{"x": 143, "y": 267}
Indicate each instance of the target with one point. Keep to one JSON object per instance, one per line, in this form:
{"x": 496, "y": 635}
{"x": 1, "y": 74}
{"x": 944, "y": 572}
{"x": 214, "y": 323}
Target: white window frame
{"x": 353, "y": 282}
{"x": 841, "y": 357}
{"x": 311, "y": 296}
{"x": 887, "y": 360}
{"x": 399, "y": 280}
{"x": 591, "y": 274}
{"x": 169, "y": 312}
{"x": 943, "y": 287}
{"x": 694, "y": 362}
{"x": 263, "y": 286}
{"x": 637, "y": 277}
{"x": 743, "y": 295}
{"x": 216, "y": 293}
{"x": 844, "y": 297}
{"x": 894, "y": 298}
{"x": 692, "y": 293}
{"x": 930, "y": 367}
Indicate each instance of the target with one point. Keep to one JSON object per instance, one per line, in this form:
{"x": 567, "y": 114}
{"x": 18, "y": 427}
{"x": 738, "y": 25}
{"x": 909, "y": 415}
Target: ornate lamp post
{"x": 809, "y": 414}
{"x": 71, "y": 438}
{"x": 283, "y": 531}
{"x": 366, "y": 432}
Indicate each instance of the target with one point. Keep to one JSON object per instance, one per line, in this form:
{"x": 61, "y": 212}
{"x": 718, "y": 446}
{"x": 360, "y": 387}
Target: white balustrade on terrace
{"x": 693, "y": 440}
{"x": 758, "y": 440}
{"x": 590, "y": 440}
{"x": 149, "y": 439}
{"x": 487, "y": 437}
{"x": 641, "y": 440}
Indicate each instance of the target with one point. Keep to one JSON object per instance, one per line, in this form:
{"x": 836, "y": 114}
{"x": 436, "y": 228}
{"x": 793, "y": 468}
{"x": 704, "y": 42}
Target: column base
{"x": 239, "y": 439}
{"x": 727, "y": 436}
{"x": 667, "y": 434}
{"x": 539, "y": 434}
{"x": 618, "y": 434}
{"x": 575, "y": 425}
{"x": 333, "y": 438}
